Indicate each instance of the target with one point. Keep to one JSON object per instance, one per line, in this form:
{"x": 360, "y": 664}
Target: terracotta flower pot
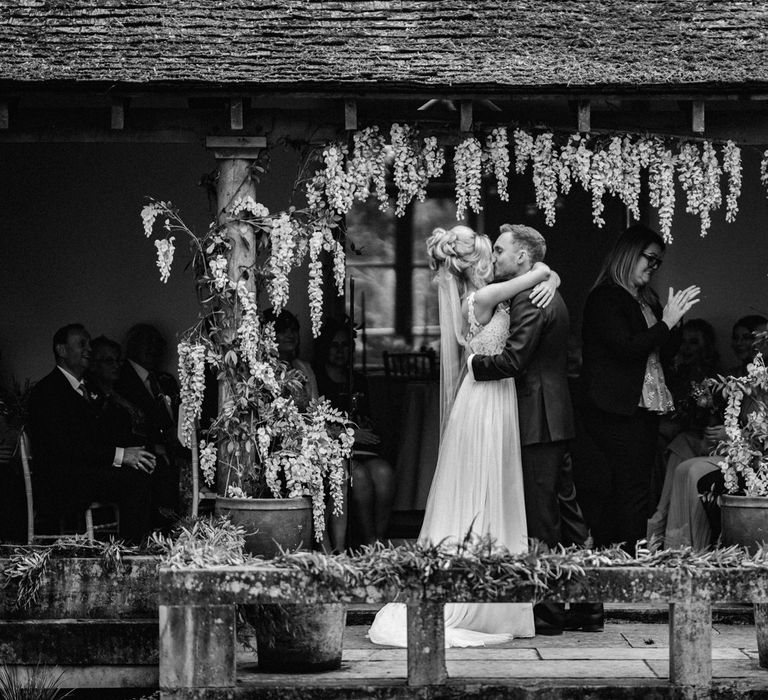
{"x": 270, "y": 523}
{"x": 744, "y": 520}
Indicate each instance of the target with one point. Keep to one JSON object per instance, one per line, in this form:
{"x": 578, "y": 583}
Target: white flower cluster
{"x": 661, "y": 186}
{"x": 251, "y": 340}
{"x": 218, "y": 267}
{"x": 208, "y": 459}
{"x": 523, "y": 149}
{"x": 413, "y": 165}
{"x": 165, "y": 250}
{"x": 192, "y": 381}
{"x": 250, "y": 205}
{"x": 546, "y": 178}
{"x": 369, "y": 166}
{"x": 317, "y": 241}
{"x": 699, "y": 174}
{"x": 496, "y": 156}
{"x": 283, "y": 237}
{"x": 149, "y": 214}
{"x": 468, "y": 168}
{"x": 745, "y": 450}
{"x": 339, "y": 186}
{"x": 764, "y": 170}
{"x": 732, "y": 168}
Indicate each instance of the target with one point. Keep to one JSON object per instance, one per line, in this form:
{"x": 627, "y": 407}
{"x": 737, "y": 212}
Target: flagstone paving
{"x": 625, "y": 653}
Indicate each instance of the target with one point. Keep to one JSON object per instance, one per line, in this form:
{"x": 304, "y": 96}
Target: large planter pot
{"x": 270, "y": 523}
{"x": 298, "y": 638}
{"x": 744, "y": 520}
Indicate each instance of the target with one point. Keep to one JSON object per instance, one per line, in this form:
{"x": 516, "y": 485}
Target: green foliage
{"x": 204, "y": 542}
{"x": 38, "y": 684}
{"x": 28, "y": 565}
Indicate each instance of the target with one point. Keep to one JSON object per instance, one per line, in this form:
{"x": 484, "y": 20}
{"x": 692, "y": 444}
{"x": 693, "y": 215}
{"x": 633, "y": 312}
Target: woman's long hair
{"x": 619, "y": 265}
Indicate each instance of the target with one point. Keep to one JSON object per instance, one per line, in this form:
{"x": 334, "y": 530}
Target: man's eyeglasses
{"x": 654, "y": 261}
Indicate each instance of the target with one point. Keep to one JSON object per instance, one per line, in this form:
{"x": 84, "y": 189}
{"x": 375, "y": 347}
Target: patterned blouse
{"x": 655, "y": 396}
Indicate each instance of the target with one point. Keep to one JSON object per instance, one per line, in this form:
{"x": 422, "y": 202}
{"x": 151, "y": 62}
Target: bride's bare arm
{"x": 487, "y": 298}
{"x": 543, "y": 293}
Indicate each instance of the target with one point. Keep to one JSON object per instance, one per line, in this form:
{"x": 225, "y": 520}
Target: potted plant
{"x": 272, "y": 463}
{"x": 744, "y": 455}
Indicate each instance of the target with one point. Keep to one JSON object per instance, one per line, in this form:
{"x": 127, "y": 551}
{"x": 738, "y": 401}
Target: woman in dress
{"x": 627, "y": 338}
{"x": 478, "y": 482}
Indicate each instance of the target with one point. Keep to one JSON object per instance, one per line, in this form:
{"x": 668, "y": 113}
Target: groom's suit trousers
{"x": 542, "y": 465}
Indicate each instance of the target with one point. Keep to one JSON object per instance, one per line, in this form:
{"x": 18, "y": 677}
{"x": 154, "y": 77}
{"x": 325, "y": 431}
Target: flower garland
{"x": 661, "y": 185}
{"x": 468, "y": 168}
{"x": 369, "y": 165}
{"x": 413, "y": 165}
{"x": 732, "y": 168}
{"x": 546, "y": 177}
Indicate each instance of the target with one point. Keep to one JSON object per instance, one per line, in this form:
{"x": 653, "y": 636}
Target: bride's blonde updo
{"x": 466, "y": 254}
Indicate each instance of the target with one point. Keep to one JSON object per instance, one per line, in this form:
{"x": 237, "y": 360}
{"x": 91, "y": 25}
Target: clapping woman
{"x": 627, "y": 334}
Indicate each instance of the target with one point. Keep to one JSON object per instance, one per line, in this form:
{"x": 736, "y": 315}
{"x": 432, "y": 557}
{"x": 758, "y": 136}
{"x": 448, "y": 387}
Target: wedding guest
{"x": 627, "y": 335}
{"x": 372, "y": 483}
{"x": 287, "y": 336}
{"x": 74, "y": 461}
{"x": 690, "y": 520}
{"x": 156, "y": 394}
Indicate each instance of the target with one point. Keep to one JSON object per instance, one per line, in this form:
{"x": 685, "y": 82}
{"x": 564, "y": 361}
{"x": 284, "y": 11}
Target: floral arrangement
{"x": 745, "y": 449}
{"x": 601, "y": 165}
{"x": 260, "y": 440}
{"x": 701, "y": 405}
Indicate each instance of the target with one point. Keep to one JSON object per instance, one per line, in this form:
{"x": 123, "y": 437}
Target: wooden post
{"x": 118, "y": 114}
{"x": 697, "y": 117}
{"x": 236, "y": 113}
{"x": 197, "y": 646}
{"x": 690, "y": 643}
{"x": 350, "y": 115}
{"x": 235, "y": 156}
{"x": 426, "y": 644}
{"x": 466, "y": 116}
{"x": 585, "y": 117}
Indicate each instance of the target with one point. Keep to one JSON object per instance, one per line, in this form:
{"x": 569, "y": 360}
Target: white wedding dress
{"x": 478, "y": 485}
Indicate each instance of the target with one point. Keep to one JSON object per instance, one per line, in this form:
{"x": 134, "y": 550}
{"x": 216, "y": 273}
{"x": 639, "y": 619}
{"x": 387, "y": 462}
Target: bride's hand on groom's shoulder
{"x": 543, "y": 293}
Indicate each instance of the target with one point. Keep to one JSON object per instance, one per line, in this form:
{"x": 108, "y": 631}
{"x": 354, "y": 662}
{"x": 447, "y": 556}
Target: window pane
{"x": 427, "y": 216}
{"x": 426, "y": 324}
{"x": 372, "y": 232}
{"x": 377, "y": 285}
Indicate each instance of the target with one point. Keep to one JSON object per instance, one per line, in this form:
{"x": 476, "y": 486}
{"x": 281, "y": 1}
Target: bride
{"x": 478, "y": 482}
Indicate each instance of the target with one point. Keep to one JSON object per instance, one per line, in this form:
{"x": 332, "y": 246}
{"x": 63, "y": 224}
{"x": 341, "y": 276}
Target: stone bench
{"x": 94, "y": 624}
{"x": 197, "y": 615}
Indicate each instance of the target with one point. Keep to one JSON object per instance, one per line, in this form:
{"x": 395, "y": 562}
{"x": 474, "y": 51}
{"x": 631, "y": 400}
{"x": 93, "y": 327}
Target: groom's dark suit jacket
{"x": 66, "y": 444}
{"x": 536, "y": 355}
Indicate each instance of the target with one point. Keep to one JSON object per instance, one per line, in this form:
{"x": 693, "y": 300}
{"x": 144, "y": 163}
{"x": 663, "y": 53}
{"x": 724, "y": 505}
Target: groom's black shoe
{"x": 585, "y": 617}
{"x": 549, "y": 618}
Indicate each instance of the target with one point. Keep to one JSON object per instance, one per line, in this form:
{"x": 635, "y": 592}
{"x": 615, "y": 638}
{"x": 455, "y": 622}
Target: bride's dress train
{"x": 478, "y": 485}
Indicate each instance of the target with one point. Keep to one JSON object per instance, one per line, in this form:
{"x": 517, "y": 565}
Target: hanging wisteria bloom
{"x": 732, "y": 168}
{"x": 468, "y": 167}
{"x": 250, "y": 205}
{"x": 208, "y": 459}
{"x": 368, "y": 166}
{"x": 165, "y": 250}
{"x": 661, "y": 186}
{"x": 546, "y": 175}
{"x": 497, "y": 152}
{"x": 283, "y": 236}
{"x": 192, "y": 385}
{"x": 523, "y": 149}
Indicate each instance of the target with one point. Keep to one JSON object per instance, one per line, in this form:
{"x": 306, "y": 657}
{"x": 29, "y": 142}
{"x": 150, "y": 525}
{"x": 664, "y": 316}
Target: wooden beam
{"x": 243, "y": 147}
{"x": 4, "y": 116}
{"x": 697, "y": 117}
{"x": 350, "y": 115}
{"x": 118, "y": 114}
{"x": 466, "y": 116}
{"x": 101, "y": 136}
{"x": 584, "y": 125}
{"x": 236, "y": 113}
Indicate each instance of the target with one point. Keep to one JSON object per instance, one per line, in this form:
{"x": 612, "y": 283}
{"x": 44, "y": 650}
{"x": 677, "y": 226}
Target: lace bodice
{"x": 488, "y": 339}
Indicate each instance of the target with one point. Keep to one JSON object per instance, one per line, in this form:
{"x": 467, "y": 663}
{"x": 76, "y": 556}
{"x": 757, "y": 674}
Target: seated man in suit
{"x": 156, "y": 394}
{"x": 74, "y": 464}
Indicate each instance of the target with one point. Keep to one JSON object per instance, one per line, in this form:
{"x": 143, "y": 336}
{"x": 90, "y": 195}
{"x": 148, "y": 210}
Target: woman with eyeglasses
{"x": 627, "y": 337}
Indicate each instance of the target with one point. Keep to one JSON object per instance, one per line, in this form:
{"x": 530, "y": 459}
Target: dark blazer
{"x": 67, "y": 445}
{"x": 160, "y": 424}
{"x": 617, "y": 342}
{"x": 536, "y": 354}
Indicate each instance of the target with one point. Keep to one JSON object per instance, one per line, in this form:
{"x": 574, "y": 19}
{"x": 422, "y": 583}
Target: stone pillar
{"x": 426, "y": 643}
{"x": 690, "y": 643}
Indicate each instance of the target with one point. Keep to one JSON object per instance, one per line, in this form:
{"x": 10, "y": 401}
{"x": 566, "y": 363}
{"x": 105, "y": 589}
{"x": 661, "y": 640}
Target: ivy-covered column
{"x": 236, "y": 156}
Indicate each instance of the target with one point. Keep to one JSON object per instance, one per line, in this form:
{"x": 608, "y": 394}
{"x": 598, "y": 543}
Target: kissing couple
{"x": 506, "y": 421}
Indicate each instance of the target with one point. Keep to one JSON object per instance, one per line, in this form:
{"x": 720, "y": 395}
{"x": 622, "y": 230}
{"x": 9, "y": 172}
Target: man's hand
{"x": 139, "y": 458}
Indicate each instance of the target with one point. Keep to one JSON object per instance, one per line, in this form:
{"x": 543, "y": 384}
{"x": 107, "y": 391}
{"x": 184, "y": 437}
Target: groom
{"x": 535, "y": 354}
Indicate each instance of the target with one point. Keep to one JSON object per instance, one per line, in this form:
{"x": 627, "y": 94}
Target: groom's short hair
{"x": 529, "y": 238}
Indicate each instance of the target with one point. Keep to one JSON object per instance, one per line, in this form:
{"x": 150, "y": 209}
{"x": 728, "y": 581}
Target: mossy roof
{"x": 387, "y": 44}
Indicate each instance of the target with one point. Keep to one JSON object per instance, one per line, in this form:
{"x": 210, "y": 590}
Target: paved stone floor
{"x": 625, "y": 655}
